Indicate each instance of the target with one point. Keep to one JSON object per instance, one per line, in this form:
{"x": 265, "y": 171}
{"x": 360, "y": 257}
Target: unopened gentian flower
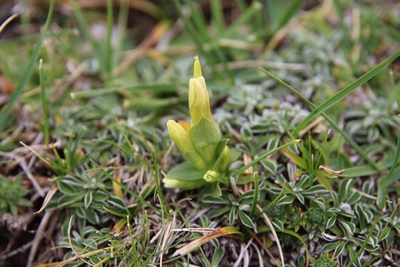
{"x": 207, "y": 154}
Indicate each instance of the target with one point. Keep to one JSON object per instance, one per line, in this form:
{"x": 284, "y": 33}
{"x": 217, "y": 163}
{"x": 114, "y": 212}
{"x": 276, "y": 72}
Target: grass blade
{"x": 384, "y": 182}
{"x": 108, "y": 54}
{"x": 255, "y": 197}
{"x": 328, "y": 119}
{"x": 217, "y": 15}
{"x": 44, "y": 105}
{"x": 245, "y": 167}
{"x": 5, "y": 112}
{"x": 346, "y": 91}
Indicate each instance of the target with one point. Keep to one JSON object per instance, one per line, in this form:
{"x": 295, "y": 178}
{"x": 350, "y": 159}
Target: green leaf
{"x": 358, "y": 171}
{"x": 363, "y": 213}
{"x": 345, "y": 188}
{"x": 223, "y": 161}
{"x": 354, "y": 198}
{"x": 384, "y": 234}
{"x": 217, "y": 257}
{"x": 271, "y": 165}
{"x": 278, "y": 224}
{"x": 331, "y": 222}
{"x": 245, "y": 219}
{"x": 67, "y": 200}
{"x": 185, "y": 171}
{"x": 88, "y": 199}
{"x": 116, "y": 202}
{"x": 353, "y": 256}
{"x": 205, "y": 136}
{"x": 185, "y": 176}
{"x": 315, "y": 190}
{"x": 244, "y": 179}
{"x": 296, "y": 159}
{"x": 232, "y": 215}
{"x": 300, "y": 197}
{"x": 116, "y": 211}
{"x": 214, "y": 200}
{"x": 273, "y": 142}
{"x": 331, "y": 246}
{"x": 66, "y": 188}
{"x": 348, "y": 226}
{"x": 288, "y": 199}
{"x": 215, "y": 190}
{"x": 339, "y": 249}
{"x": 218, "y": 212}
{"x": 100, "y": 196}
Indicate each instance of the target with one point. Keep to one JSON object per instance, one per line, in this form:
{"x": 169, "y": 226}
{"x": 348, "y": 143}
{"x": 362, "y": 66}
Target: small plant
{"x": 87, "y": 239}
{"x": 87, "y": 195}
{"x": 12, "y": 195}
{"x": 207, "y": 154}
{"x": 323, "y": 261}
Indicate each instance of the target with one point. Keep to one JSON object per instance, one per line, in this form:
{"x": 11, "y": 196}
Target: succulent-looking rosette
{"x": 207, "y": 154}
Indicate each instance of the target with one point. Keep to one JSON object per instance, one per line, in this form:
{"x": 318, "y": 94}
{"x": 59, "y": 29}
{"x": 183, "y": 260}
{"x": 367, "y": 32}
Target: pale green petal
{"x": 179, "y": 136}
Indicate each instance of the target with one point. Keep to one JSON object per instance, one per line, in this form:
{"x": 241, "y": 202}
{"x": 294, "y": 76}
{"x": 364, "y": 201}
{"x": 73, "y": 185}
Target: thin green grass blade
{"x": 157, "y": 88}
{"x": 361, "y": 250}
{"x": 255, "y": 197}
{"x": 245, "y": 167}
{"x": 384, "y": 182}
{"x": 217, "y": 15}
{"x": 248, "y": 15}
{"x": 159, "y": 192}
{"x": 108, "y": 54}
{"x": 293, "y": 233}
{"x": 359, "y": 150}
{"x": 289, "y": 11}
{"x": 196, "y": 37}
{"x": 44, "y": 104}
{"x": 80, "y": 18}
{"x": 346, "y": 91}
{"x": 199, "y": 33}
{"x": 121, "y": 31}
{"x": 343, "y": 27}
{"x": 211, "y": 44}
{"x": 5, "y": 112}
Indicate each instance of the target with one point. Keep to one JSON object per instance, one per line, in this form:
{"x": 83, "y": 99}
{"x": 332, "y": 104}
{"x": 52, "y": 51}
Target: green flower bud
{"x": 179, "y": 136}
{"x": 182, "y": 183}
{"x": 182, "y": 140}
{"x": 199, "y": 100}
{"x": 211, "y": 176}
{"x": 185, "y": 176}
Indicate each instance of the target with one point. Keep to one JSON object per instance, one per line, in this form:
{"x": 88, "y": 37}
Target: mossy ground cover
{"x": 306, "y": 92}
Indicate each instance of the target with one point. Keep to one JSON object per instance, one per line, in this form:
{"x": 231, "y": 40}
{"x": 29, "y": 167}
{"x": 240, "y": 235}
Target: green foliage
{"x": 12, "y": 195}
{"x": 86, "y": 196}
{"x": 323, "y": 261}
